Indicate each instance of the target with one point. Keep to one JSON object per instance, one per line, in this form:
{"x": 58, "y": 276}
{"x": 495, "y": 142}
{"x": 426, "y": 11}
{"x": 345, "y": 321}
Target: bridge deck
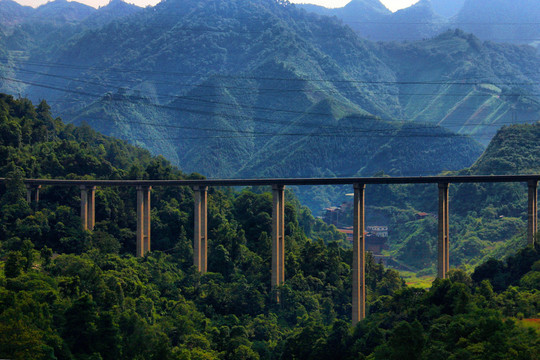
{"x": 292, "y": 181}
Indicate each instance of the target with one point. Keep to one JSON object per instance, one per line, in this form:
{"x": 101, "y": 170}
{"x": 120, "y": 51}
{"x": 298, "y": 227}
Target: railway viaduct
{"x": 200, "y": 188}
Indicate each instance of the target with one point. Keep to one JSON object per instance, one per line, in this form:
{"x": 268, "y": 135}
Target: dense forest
{"x": 66, "y": 293}
{"x": 486, "y": 220}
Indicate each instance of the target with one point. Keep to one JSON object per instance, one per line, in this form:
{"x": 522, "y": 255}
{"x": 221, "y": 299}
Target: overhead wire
{"x": 463, "y": 82}
{"x": 349, "y": 131}
{"x": 319, "y": 126}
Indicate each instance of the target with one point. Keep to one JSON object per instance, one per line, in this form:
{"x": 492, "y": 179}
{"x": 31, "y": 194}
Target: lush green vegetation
{"x": 486, "y": 220}
{"x": 70, "y": 294}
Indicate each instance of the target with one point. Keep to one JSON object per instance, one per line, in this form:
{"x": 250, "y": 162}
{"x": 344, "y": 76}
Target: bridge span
{"x": 200, "y": 188}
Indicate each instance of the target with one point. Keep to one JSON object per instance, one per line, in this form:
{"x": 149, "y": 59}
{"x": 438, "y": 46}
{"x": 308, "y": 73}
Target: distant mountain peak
{"x": 376, "y": 4}
{"x": 423, "y": 6}
{"x": 63, "y": 11}
{"x": 12, "y": 12}
{"x": 118, "y": 3}
{"x": 115, "y": 9}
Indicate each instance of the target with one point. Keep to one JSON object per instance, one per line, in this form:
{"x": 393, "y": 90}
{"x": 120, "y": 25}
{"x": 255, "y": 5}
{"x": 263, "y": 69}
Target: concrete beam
{"x": 84, "y": 207}
{"x": 143, "y": 220}
{"x": 88, "y": 207}
{"x": 200, "y": 234}
{"x": 443, "y": 243}
{"x": 91, "y": 207}
{"x": 32, "y": 189}
{"x": 147, "y": 215}
{"x": 532, "y": 212}
{"x": 358, "y": 265}
{"x": 29, "y": 193}
{"x": 282, "y": 235}
{"x": 278, "y": 246}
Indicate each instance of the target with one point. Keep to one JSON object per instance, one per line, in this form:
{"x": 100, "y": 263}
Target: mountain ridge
{"x": 185, "y": 78}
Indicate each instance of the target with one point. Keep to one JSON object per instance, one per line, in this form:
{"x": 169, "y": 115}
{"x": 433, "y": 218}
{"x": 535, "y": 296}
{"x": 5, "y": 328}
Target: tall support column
{"x": 443, "y": 259}
{"x": 278, "y": 246}
{"x": 200, "y": 235}
{"x": 36, "y": 194}
{"x": 140, "y": 221}
{"x": 88, "y": 208}
{"x": 84, "y": 207}
{"x": 143, "y": 220}
{"x": 358, "y": 265}
{"x": 32, "y": 190}
{"x": 282, "y": 235}
{"x": 147, "y": 214}
{"x": 29, "y": 193}
{"x": 91, "y": 207}
{"x": 532, "y": 212}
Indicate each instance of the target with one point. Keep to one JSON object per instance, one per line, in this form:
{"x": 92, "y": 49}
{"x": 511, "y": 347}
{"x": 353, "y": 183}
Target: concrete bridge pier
{"x": 143, "y": 220}
{"x": 88, "y": 213}
{"x": 532, "y": 212}
{"x": 200, "y": 241}
{"x": 32, "y": 189}
{"x": 278, "y": 236}
{"x": 443, "y": 263}
{"x": 359, "y": 265}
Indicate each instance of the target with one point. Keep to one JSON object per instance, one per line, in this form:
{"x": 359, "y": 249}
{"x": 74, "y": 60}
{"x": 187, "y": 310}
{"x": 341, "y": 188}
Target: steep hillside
{"x": 328, "y": 139}
{"x": 453, "y": 80}
{"x": 12, "y": 13}
{"x": 515, "y": 149}
{"x": 187, "y": 78}
{"x": 514, "y": 21}
{"x": 485, "y": 84}
{"x": 486, "y": 220}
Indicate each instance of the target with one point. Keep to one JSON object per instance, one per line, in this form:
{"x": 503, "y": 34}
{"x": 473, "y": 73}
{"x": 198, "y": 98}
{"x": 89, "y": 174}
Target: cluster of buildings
{"x": 376, "y": 235}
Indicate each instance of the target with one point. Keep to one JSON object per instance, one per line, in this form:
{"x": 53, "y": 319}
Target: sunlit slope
{"x": 486, "y": 220}
{"x": 465, "y": 85}
{"x": 454, "y": 80}
{"x": 514, "y": 150}
{"x": 261, "y": 88}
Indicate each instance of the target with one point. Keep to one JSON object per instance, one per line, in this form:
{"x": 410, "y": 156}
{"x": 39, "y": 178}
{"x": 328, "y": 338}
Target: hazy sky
{"x": 391, "y": 4}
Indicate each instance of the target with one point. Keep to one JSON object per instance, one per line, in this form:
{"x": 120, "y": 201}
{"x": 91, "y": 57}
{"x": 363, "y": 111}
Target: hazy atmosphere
{"x": 261, "y": 180}
{"x": 393, "y": 5}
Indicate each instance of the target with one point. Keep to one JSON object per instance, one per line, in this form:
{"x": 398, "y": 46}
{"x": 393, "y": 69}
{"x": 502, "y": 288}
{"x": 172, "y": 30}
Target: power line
{"x": 251, "y": 89}
{"x": 319, "y": 126}
{"x": 296, "y": 79}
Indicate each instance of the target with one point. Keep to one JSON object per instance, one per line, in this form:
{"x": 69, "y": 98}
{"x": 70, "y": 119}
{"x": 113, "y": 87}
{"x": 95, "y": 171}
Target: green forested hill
{"x": 487, "y": 86}
{"x": 255, "y": 88}
{"x": 486, "y": 220}
{"x": 66, "y": 293}
{"x": 515, "y": 149}
{"x": 186, "y": 78}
